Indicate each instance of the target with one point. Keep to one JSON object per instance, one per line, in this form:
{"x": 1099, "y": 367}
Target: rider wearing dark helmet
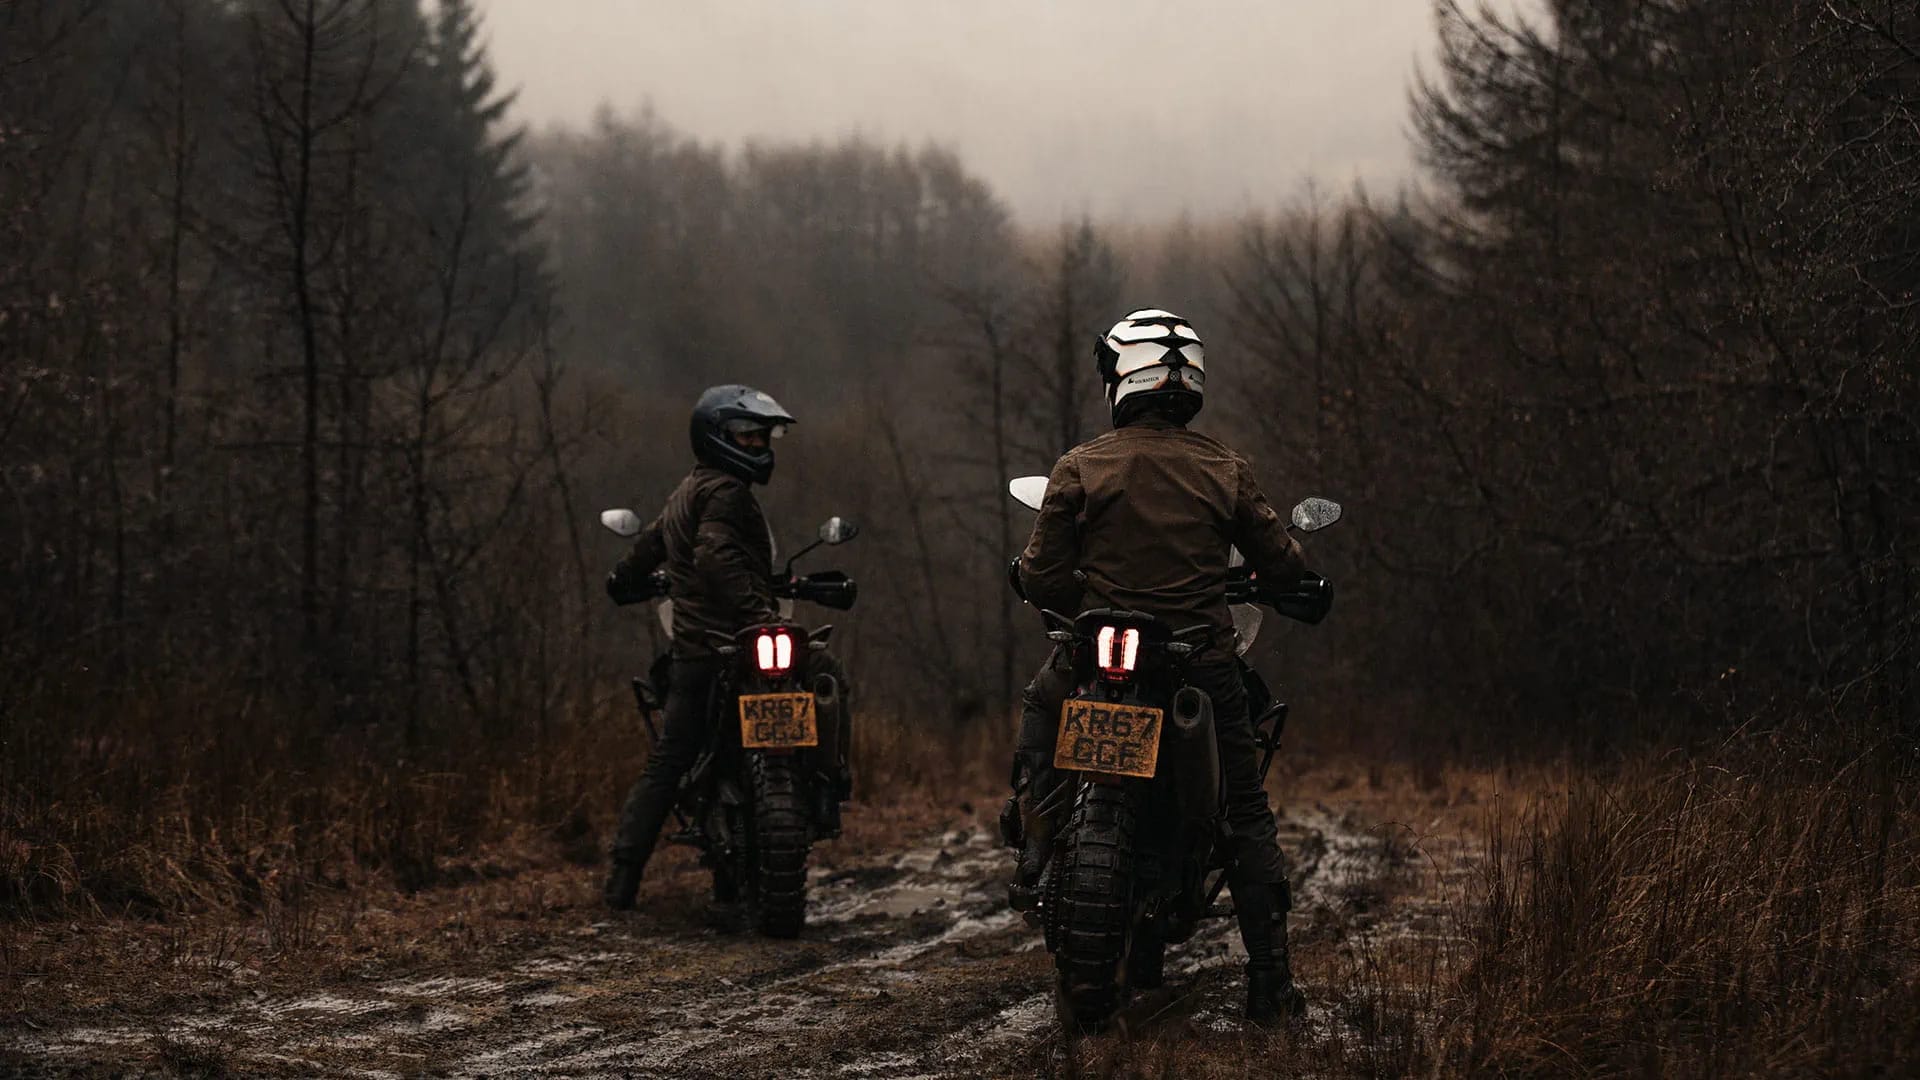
{"x": 1143, "y": 518}
{"x": 713, "y": 543}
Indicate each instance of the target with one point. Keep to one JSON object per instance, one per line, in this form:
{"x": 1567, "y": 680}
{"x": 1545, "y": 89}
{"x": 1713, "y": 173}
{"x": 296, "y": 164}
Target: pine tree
{"x": 467, "y": 158}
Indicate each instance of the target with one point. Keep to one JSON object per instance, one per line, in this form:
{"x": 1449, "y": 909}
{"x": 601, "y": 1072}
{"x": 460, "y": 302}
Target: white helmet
{"x": 1152, "y": 360}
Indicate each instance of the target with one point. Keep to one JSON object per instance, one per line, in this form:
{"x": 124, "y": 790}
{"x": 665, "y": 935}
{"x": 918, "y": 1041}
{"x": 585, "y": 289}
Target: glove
{"x": 626, "y": 587}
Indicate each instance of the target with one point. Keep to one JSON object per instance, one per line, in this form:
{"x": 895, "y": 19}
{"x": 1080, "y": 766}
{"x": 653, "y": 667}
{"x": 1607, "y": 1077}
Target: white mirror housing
{"x": 1028, "y": 491}
{"x": 622, "y": 522}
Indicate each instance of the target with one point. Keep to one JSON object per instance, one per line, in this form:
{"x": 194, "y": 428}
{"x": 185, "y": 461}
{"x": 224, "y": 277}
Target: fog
{"x": 1120, "y": 108}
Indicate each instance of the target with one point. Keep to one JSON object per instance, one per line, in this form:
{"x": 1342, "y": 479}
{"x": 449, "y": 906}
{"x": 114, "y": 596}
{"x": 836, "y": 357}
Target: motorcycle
{"x": 770, "y": 781}
{"x": 1141, "y": 859}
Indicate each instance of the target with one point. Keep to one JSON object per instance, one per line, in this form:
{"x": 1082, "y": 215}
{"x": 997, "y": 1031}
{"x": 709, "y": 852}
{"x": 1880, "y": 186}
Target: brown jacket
{"x": 1148, "y": 513}
{"x": 713, "y": 541}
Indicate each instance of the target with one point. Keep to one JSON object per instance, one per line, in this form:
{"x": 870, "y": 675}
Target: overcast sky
{"x": 1119, "y": 107}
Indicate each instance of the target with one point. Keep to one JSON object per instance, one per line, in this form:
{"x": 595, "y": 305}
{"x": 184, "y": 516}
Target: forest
{"x": 317, "y": 366}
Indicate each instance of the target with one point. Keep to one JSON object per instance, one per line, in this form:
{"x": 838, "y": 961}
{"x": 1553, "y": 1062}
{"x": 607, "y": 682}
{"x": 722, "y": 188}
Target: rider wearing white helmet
{"x": 1144, "y": 518}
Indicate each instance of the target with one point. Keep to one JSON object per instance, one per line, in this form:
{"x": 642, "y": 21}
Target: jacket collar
{"x": 1152, "y": 422}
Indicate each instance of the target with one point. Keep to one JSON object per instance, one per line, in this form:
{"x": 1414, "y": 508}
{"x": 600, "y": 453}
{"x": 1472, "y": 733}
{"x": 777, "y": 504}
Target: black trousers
{"x": 1256, "y": 844}
{"x": 687, "y": 726}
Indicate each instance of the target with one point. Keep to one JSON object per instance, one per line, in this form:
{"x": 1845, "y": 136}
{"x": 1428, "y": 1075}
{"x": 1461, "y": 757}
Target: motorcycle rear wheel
{"x": 1097, "y": 906}
{"x": 780, "y": 845}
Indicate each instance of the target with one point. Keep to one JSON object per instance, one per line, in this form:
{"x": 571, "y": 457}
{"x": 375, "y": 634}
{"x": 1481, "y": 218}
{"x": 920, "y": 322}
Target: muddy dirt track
{"x": 911, "y": 965}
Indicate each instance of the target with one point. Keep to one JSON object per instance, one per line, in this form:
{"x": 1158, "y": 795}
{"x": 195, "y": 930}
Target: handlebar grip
{"x": 1308, "y": 600}
{"x": 838, "y": 595}
{"x": 829, "y": 589}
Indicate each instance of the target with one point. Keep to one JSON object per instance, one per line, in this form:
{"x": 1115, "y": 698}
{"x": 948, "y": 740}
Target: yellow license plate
{"x": 777, "y": 721}
{"x": 1100, "y": 736}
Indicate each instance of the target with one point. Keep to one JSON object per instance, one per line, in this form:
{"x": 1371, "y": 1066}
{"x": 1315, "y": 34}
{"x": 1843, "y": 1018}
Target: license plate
{"x": 777, "y": 721}
{"x": 1100, "y": 736}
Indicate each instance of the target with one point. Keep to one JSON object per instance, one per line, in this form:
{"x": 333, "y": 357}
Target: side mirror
{"x": 1313, "y": 514}
{"x": 838, "y": 530}
{"x": 1028, "y": 491}
{"x": 622, "y": 522}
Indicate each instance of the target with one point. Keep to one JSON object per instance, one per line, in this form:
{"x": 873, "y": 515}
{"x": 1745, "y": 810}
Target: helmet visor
{"x": 748, "y": 427}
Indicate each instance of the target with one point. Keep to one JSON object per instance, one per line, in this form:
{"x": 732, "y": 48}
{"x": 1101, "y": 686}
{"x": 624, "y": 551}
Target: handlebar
{"x": 828, "y": 588}
{"x": 1306, "y": 598}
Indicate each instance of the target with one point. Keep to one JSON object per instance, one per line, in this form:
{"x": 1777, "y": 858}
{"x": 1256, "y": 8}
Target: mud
{"x": 911, "y": 965}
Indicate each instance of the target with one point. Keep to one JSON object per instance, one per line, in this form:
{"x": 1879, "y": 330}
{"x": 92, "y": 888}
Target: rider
{"x": 1142, "y": 518}
{"x": 714, "y": 544}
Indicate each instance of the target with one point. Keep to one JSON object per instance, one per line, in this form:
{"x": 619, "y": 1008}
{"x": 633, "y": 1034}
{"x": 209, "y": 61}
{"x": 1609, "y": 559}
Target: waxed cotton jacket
{"x": 1149, "y": 512}
{"x": 712, "y": 539}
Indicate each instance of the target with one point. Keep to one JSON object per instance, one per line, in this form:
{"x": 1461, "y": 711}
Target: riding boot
{"x": 623, "y": 882}
{"x": 828, "y": 813}
{"x": 1037, "y": 850}
{"x": 1262, "y": 911}
{"x": 1033, "y": 832}
{"x": 1272, "y": 998}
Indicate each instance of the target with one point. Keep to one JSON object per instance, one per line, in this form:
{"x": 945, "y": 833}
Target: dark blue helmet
{"x": 724, "y": 411}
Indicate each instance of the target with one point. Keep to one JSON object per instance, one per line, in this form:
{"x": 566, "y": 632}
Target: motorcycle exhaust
{"x": 834, "y": 724}
{"x": 826, "y": 695}
{"x": 1196, "y": 754}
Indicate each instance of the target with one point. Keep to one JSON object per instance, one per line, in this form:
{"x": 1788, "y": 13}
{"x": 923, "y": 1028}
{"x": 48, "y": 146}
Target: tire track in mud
{"x": 911, "y": 966}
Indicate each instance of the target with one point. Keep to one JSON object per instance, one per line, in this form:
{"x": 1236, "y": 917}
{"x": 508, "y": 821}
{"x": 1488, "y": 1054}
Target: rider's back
{"x": 717, "y": 553}
{"x": 1155, "y": 509}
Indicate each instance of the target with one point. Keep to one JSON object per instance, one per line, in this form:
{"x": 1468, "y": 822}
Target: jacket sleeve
{"x": 721, "y": 556}
{"x": 649, "y": 551}
{"x": 1261, "y": 535}
{"x": 1053, "y": 551}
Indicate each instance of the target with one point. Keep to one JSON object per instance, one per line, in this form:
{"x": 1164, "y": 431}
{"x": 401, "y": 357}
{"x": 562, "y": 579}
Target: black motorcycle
{"x": 1140, "y": 861}
{"x": 771, "y": 779}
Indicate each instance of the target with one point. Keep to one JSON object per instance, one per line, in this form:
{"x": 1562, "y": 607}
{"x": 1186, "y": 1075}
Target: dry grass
{"x": 1752, "y": 911}
{"x": 153, "y": 810}
{"x": 158, "y": 805}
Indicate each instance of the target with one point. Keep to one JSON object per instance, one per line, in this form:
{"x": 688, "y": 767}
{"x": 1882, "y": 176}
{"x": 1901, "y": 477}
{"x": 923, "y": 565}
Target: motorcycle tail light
{"x": 1118, "y": 651}
{"x": 773, "y": 652}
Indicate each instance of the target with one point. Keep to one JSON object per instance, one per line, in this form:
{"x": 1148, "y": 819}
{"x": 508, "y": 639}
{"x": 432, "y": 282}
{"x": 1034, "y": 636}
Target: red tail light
{"x": 773, "y": 652}
{"x": 1118, "y": 650}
